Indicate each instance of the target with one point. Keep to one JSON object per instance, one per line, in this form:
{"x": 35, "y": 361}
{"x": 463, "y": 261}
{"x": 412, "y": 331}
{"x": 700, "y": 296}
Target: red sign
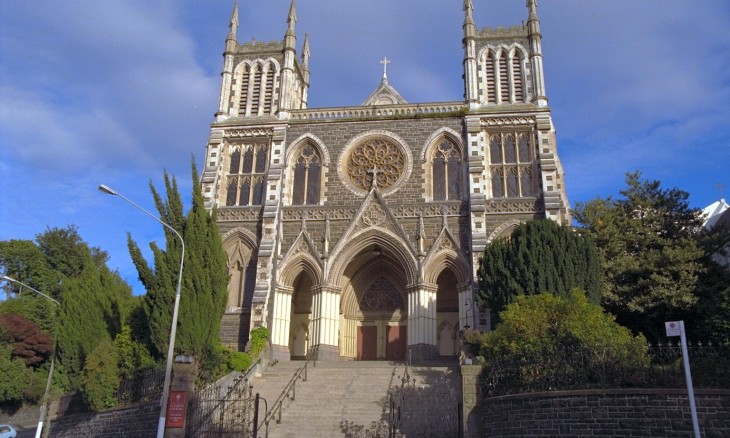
{"x": 176, "y": 409}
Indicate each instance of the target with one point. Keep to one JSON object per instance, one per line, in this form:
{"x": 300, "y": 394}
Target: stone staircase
{"x": 342, "y": 398}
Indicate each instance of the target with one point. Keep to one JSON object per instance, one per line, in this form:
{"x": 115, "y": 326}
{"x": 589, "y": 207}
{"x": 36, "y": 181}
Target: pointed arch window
{"x": 256, "y": 88}
{"x": 447, "y": 171}
{"x": 307, "y": 171}
{"x": 246, "y": 175}
{"x": 504, "y": 76}
{"x": 511, "y": 165}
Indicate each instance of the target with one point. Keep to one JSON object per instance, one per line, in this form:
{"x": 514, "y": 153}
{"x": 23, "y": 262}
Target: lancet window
{"x": 255, "y": 84}
{"x": 504, "y": 76}
{"x": 307, "y": 173}
{"x": 511, "y": 165}
{"x": 246, "y": 174}
{"x": 447, "y": 171}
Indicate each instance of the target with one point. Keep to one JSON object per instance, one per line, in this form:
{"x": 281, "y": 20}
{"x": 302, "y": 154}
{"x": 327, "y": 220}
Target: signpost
{"x": 176, "y": 408}
{"x": 676, "y": 328}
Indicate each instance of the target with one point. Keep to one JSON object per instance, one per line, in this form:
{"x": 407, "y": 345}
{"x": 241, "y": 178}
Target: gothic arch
{"x": 240, "y": 246}
{"x": 315, "y": 141}
{"x": 293, "y": 266}
{"x": 428, "y": 151}
{"x": 389, "y": 243}
{"x": 353, "y": 293}
{"x": 501, "y": 83}
{"x": 504, "y": 230}
{"x": 448, "y": 259}
{"x": 319, "y": 157}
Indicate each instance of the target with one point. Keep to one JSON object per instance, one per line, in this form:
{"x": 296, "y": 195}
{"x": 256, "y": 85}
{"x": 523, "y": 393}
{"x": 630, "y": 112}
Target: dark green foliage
{"x": 131, "y": 356}
{"x": 239, "y": 361}
{"x": 655, "y": 256}
{"x": 540, "y": 256}
{"x": 205, "y": 277}
{"x": 15, "y": 377}
{"x": 99, "y": 380}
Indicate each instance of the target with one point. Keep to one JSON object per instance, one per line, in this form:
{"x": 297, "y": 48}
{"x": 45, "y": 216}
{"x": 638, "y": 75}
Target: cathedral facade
{"x": 358, "y": 230}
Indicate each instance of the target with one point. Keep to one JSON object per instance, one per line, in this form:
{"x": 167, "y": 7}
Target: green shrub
{"x": 239, "y": 361}
{"x": 99, "y": 379}
{"x": 258, "y": 340}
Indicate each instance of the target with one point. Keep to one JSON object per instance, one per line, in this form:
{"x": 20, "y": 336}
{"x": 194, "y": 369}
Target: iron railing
{"x": 288, "y": 393}
{"x": 573, "y": 368}
{"x": 141, "y": 387}
{"x": 220, "y": 410}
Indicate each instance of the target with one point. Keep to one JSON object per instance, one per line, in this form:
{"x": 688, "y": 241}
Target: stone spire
{"x": 470, "y": 63}
{"x": 535, "y": 38}
{"x": 227, "y": 73}
{"x": 288, "y": 87}
{"x": 291, "y": 19}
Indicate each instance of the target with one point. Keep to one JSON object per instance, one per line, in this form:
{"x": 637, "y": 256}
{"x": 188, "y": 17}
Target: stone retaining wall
{"x": 136, "y": 421}
{"x": 606, "y": 413}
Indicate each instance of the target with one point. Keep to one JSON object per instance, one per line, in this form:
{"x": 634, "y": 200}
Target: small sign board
{"x": 176, "y": 409}
{"x": 672, "y": 328}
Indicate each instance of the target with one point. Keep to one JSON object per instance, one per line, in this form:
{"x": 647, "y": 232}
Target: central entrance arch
{"x": 373, "y": 317}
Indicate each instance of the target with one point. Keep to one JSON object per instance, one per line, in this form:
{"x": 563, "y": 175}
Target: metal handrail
{"x": 277, "y": 406}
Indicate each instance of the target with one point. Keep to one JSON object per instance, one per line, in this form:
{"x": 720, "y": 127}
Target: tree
{"x": 99, "y": 380}
{"x": 649, "y": 241}
{"x": 540, "y": 256}
{"x": 28, "y": 342}
{"x": 205, "y": 274}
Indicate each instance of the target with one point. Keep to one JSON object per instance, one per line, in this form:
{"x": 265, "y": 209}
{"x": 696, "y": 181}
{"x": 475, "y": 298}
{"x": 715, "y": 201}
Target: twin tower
{"x": 355, "y": 232}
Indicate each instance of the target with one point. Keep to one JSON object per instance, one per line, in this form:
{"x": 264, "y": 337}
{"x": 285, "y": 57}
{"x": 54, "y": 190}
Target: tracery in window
{"x": 447, "y": 171}
{"x": 377, "y": 157}
{"x": 307, "y": 175}
{"x": 511, "y": 165}
{"x": 246, "y": 176}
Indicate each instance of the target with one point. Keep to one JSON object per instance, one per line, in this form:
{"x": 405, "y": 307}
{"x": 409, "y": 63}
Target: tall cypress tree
{"x": 540, "y": 256}
{"x": 205, "y": 274}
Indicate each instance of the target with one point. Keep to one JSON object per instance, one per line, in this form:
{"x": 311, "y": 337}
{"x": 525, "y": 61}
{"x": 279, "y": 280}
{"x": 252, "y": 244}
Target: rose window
{"x": 377, "y": 158}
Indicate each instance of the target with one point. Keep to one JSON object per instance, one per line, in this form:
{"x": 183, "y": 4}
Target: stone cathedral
{"x": 358, "y": 230}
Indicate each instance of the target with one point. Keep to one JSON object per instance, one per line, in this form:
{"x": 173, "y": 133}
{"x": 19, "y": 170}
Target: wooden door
{"x": 367, "y": 342}
{"x": 395, "y": 348}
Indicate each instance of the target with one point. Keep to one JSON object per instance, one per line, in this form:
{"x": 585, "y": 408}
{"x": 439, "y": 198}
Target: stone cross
{"x": 385, "y": 63}
{"x": 375, "y": 177}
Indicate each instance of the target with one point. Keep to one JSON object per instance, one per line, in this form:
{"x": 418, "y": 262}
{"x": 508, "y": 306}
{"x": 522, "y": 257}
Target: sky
{"x": 116, "y": 92}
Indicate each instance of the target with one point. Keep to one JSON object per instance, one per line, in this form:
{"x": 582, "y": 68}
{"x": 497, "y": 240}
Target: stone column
{"x": 326, "y": 322}
{"x": 466, "y": 305}
{"x": 282, "y": 321}
{"x": 422, "y": 321}
{"x": 471, "y": 419}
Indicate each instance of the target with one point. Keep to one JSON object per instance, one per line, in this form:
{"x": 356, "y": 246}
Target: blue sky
{"x": 114, "y": 92}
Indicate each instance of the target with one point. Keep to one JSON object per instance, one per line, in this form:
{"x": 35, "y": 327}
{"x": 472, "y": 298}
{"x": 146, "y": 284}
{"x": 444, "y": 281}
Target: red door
{"x": 367, "y": 342}
{"x": 395, "y": 349}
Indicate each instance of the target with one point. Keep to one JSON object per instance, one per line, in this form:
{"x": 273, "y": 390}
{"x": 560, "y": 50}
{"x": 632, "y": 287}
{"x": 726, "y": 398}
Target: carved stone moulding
{"x": 238, "y": 214}
{"x": 508, "y": 121}
{"x": 248, "y": 133}
{"x": 508, "y": 206}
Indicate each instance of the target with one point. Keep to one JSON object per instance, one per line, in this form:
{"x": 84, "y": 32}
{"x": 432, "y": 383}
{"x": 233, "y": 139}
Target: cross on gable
{"x": 385, "y": 63}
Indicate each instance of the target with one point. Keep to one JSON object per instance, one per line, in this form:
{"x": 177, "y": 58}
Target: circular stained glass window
{"x": 377, "y": 158}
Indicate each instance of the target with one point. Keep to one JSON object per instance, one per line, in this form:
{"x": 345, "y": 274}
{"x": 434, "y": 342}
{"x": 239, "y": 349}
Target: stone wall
{"x": 606, "y": 413}
{"x": 136, "y": 421}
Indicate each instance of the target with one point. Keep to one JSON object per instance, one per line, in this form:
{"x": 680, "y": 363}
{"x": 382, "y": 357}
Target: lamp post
{"x": 44, "y": 405}
{"x": 173, "y": 329}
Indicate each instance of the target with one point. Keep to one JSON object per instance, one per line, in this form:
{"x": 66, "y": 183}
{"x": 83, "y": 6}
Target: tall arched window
{"x": 504, "y": 76}
{"x": 307, "y": 173}
{"x": 246, "y": 175}
{"x": 446, "y": 173}
{"x": 511, "y": 164}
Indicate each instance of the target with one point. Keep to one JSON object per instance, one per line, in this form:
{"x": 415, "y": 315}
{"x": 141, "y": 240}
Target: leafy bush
{"x": 14, "y": 376}
{"x": 548, "y": 342}
{"x": 239, "y": 361}
{"x": 99, "y": 379}
{"x": 258, "y": 339}
{"x": 131, "y": 355}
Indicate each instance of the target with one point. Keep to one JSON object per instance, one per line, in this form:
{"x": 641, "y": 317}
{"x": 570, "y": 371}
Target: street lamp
{"x": 173, "y": 329}
{"x": 44, "y": 405}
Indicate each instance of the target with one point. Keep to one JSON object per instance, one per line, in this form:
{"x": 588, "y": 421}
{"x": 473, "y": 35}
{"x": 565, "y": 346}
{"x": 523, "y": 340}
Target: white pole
{"x": 173, "y": 328}
{"x": 688, "y": 376}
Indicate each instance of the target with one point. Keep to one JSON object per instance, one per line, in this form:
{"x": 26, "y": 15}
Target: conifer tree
{"x": 540, "y": 256}
{"x": 205, "y": 274}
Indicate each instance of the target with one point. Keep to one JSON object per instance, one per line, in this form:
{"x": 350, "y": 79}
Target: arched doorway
{"x": 373, "y": 317}
{"x": 447, "y": 313}
{"x": 301, "y": 317}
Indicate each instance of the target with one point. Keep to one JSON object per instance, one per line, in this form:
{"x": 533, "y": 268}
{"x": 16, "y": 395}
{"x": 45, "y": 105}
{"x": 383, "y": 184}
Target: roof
{"x": 712, "y": 213}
